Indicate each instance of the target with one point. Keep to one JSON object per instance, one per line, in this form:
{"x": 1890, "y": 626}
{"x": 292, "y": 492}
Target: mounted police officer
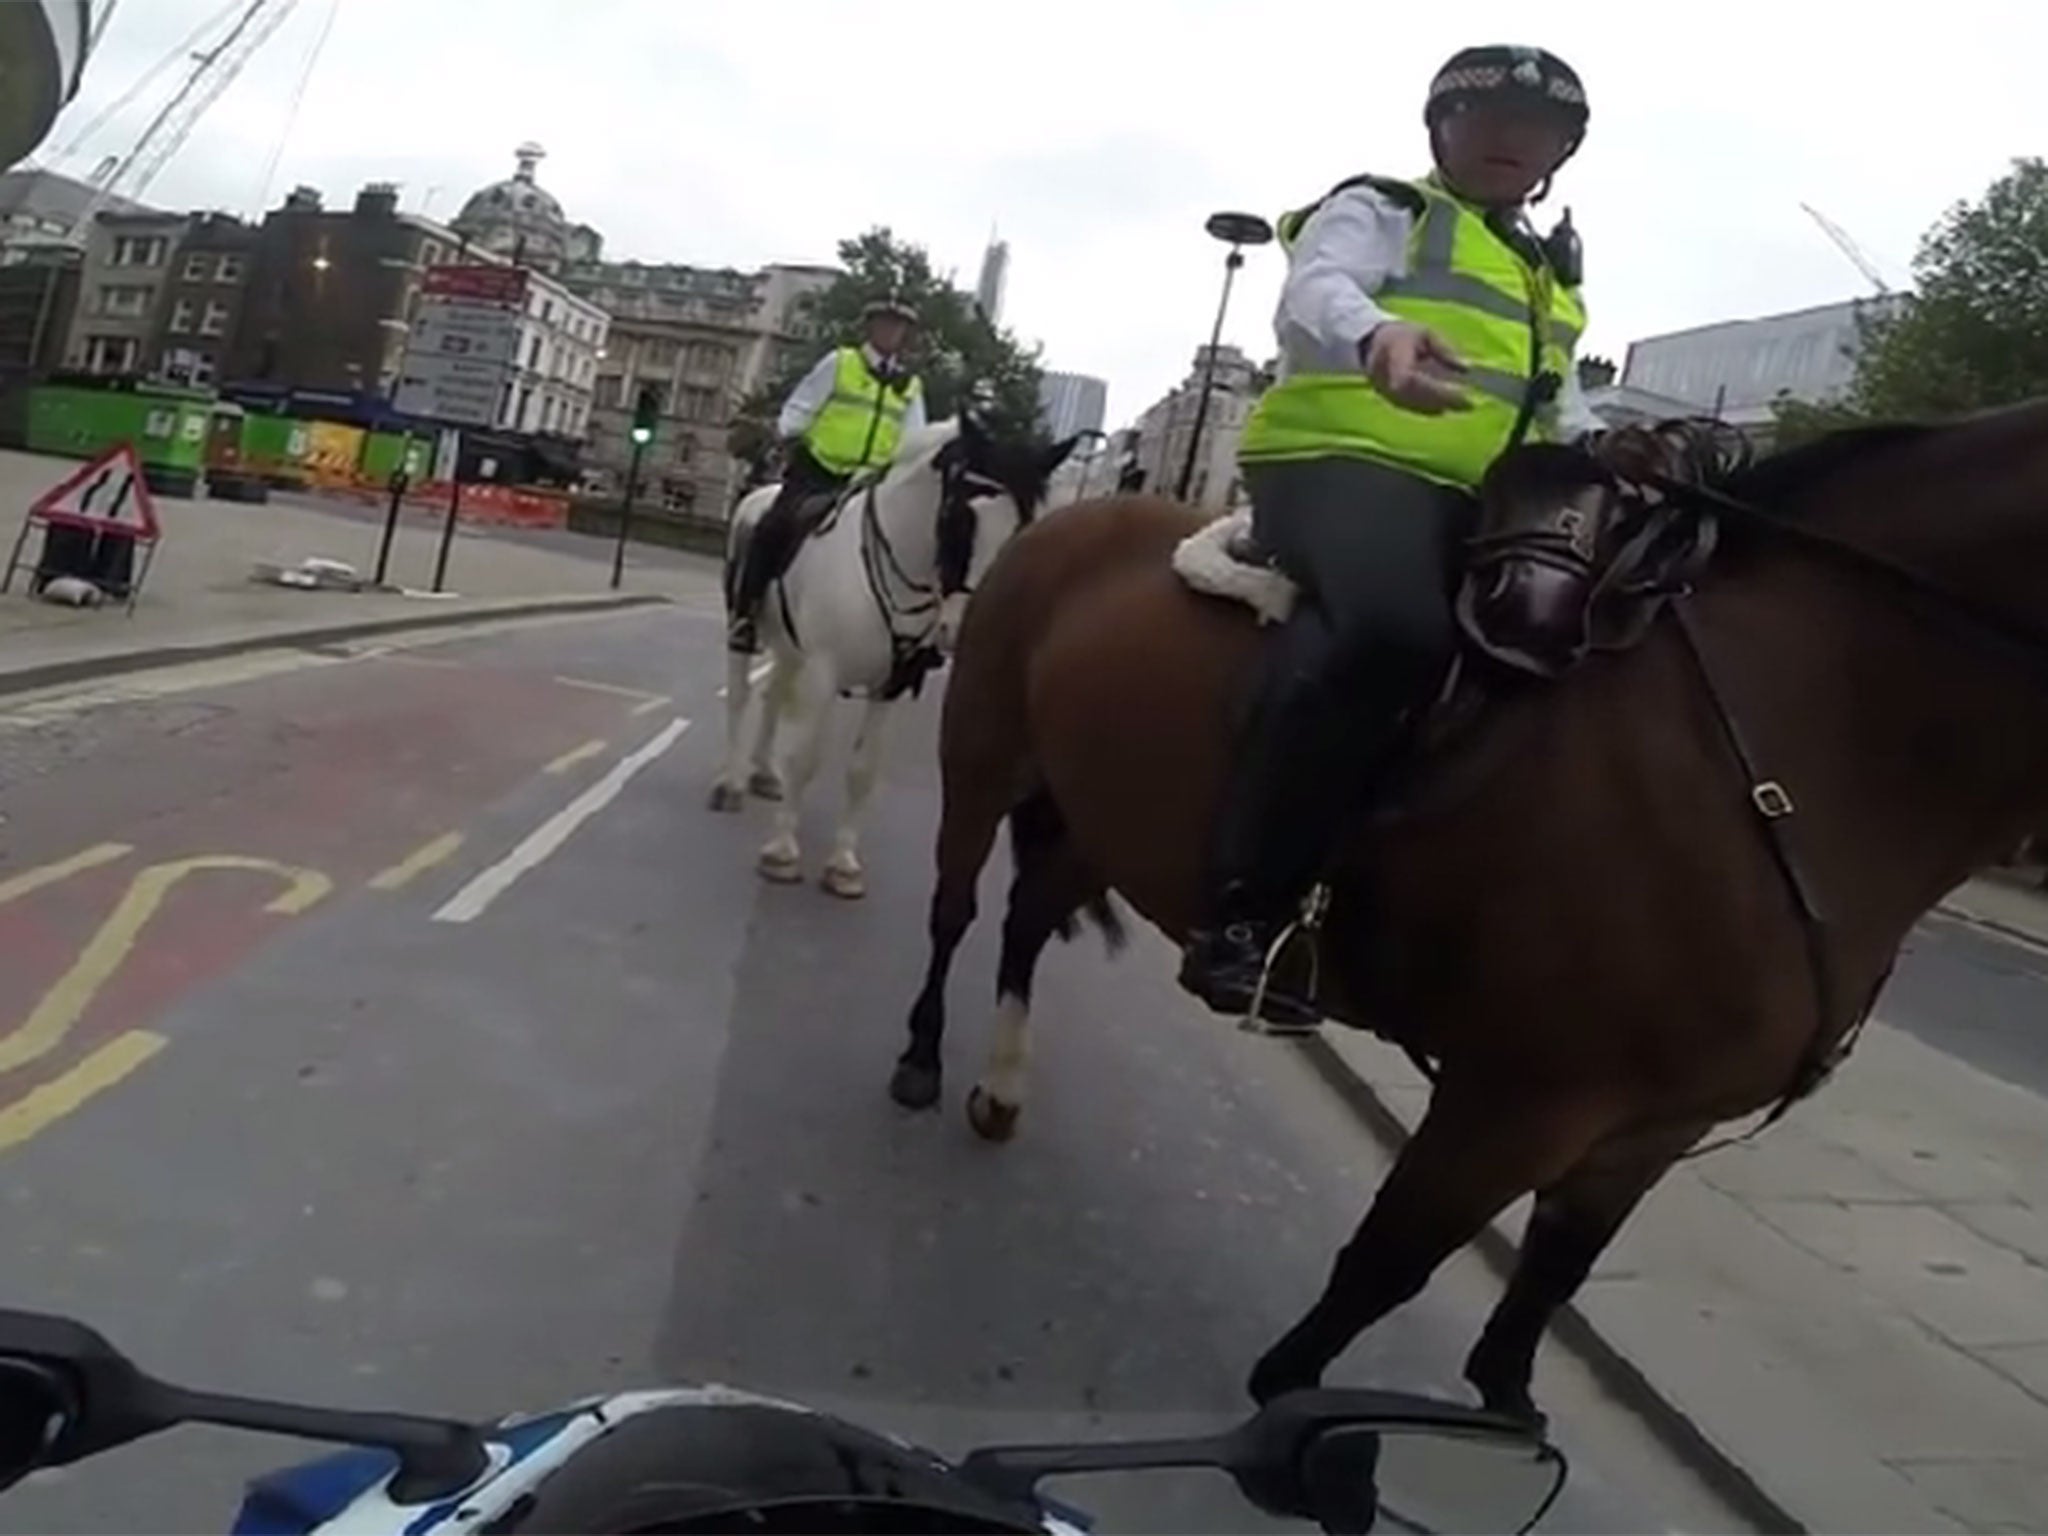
{"x": 846, "y": 415}
{"x": 1424, "y": 329}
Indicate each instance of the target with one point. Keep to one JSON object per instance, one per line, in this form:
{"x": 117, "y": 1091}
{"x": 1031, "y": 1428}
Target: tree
{"x": 1596, "y": 372}
{"x": 1972, "y": 335}
{"x": 957, "y": 347}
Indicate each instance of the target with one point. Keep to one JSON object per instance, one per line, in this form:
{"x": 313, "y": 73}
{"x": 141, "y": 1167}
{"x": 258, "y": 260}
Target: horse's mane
{"x": 1787, "y": 473}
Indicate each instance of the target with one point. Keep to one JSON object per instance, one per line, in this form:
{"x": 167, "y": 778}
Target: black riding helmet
{"x": 1490, "y": 73}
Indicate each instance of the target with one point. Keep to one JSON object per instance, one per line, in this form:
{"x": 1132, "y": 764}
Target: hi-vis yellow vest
{"x": 1508, "y": 320}
{"x": 862, "y": 421}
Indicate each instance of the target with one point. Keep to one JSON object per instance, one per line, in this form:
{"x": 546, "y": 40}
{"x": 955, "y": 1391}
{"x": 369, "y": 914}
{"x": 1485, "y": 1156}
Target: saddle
{"x": 1576, "y": 552}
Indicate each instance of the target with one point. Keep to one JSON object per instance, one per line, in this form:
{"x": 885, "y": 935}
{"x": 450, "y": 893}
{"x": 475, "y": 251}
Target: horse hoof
{"x": 913, "y": 1086}
{"x": 764, "y": 786}
{"x": 992, "y": 1119}
{"x": 782, "y": 868}
{"x": 840, "y": 881}
{"x": 725, "y": 798}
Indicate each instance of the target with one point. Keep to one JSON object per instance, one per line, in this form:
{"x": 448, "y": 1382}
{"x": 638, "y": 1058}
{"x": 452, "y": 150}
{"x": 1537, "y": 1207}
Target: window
{"x": 533, "y": 349}
{"x": 548, "y": 407}
{"x": 181, "y": 318}
{"x": 216, "y": 320}
{"x": 685, "y": 448}
{"x": 110, "y": 354}
{"x": 197, "y": 266}
{"x": 611, "y": 389}
{"x": 229, "y": 270}
{"x": 124, "y": 299}
{"x": 139, "y": 250}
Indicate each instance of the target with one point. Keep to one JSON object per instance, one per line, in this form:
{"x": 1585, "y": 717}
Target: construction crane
{"x": 214, "y": 70}
{"x": 1848, "y": 248}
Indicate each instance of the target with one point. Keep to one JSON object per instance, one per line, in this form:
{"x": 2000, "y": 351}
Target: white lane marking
{"x": 469, "y": 903}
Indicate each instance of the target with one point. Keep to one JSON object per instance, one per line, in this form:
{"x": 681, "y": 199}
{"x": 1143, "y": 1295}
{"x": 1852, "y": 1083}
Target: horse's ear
{"x": 1057, "y": 454}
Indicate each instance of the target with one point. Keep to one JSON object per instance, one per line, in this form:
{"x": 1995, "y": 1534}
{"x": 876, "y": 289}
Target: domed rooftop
{"x": 516, "y": 217}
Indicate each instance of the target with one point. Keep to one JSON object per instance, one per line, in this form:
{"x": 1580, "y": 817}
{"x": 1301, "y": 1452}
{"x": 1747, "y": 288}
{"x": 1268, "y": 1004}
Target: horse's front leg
{"x": 843, "y": 873}
{"x": 808, "y": 708}
{"x": 1572, "y": 1222}
{"x": 1477, "y": 1150}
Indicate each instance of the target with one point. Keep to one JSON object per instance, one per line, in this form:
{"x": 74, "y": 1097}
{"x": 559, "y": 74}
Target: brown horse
{"x": 1654, "y": 894}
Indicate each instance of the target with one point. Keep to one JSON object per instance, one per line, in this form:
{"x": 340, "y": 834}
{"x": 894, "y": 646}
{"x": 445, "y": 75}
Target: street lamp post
{"x": 1237, "y": 230}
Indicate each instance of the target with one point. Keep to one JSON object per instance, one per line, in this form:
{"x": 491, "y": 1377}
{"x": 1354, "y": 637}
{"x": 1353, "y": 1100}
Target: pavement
{"x": 199, "y": 600}
{"x": 348, "y": 1068}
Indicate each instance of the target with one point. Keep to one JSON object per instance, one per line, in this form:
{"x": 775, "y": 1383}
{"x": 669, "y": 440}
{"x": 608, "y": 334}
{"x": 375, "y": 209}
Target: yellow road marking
{"x": 28, "y": 880}
{"x": 576, "y": 755}
{"x": 67, "y": 1000}
{"x": 417, "y": 863}
{"x": 41, "y": 1107}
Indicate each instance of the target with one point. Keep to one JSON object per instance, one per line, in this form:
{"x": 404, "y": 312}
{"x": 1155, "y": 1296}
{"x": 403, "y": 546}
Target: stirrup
{"x": 1308, "y": 922}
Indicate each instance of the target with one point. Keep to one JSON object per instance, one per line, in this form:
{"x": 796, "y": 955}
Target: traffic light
{"x": 646, "y": 410}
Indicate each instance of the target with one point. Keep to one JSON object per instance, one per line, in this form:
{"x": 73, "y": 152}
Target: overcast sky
{"x": 1098, "y": 136}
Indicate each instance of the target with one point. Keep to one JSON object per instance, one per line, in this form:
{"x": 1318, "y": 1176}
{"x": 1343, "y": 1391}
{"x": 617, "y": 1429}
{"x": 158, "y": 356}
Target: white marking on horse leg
{"x": 863, "y": 768}
{"x": 809, "y": 705}
{"x": 1010, "y": 1053}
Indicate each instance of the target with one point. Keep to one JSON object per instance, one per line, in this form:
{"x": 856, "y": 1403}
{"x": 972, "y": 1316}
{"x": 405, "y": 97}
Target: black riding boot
{"x": 1291, "y": 780}
{"x": 761, "y": 562}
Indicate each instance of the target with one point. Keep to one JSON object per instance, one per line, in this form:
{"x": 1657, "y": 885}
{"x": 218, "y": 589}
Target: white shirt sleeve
{"x": 808, "y": 398}
{"x": 1348, "y": 248}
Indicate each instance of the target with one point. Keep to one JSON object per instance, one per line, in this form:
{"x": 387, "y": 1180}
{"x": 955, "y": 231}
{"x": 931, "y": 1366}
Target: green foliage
{"x": 1973, "y": 334}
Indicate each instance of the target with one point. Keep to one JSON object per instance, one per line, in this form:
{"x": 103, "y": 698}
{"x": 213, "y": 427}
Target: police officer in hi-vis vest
{"x": 1424, "y": 329}
{"x": 847, "y": 414}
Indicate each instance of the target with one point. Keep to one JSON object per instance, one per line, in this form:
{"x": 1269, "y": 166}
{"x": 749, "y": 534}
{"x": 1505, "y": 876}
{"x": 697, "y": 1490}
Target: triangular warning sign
{"x": 108, "y": 494}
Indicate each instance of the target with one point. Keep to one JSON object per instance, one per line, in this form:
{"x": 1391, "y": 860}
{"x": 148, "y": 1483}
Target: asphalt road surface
{"x": 277, "y": 1125}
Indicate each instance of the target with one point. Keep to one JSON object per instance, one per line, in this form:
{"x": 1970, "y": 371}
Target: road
{"x": 1978, "y": 996}
{"x": 277, "y": 1129}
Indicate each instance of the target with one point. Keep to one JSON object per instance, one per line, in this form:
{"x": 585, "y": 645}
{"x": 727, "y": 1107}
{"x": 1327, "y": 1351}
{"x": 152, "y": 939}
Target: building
{"x": 706, "y": 338}
{"x": 203, "y": 299}
{"x": 1734, "y": 369}
{"x": 1167, "y": 429}
{"x": 124, "y": 277}
{"x": 1071, "y": 402}
{"x": 517, "y": 220}
{"x": 560, "y": 345}
{"x": 332, "y": 296}
{"x": 37, "y": 302}
{"x": 1624, "y": 405}
{"x": 990, "y": 287}
{"x": 39, "y": 210}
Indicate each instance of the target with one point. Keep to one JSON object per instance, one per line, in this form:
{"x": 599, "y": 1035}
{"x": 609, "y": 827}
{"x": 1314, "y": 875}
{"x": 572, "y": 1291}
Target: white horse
{"x": 886, "y": 575}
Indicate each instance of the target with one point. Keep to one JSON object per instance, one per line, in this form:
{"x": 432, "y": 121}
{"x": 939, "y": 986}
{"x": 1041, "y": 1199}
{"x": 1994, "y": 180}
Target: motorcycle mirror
{"x": 1432, "y": 1478}
{"x": 66, "y": 1393}
{"x": 1341, "y": 1458}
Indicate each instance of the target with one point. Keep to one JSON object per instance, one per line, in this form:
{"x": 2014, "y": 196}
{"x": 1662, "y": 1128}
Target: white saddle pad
{"x": 1216, "y": 561}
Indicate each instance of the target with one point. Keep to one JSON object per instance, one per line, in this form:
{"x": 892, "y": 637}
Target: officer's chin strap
{"x": 1307, "y": 924}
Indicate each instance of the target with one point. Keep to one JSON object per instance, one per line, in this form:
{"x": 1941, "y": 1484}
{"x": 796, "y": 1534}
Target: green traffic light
{"x": 643, "y": 434}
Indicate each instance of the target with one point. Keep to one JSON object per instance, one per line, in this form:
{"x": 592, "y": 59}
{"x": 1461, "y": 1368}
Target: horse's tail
{"x": 1036, "y": 830}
